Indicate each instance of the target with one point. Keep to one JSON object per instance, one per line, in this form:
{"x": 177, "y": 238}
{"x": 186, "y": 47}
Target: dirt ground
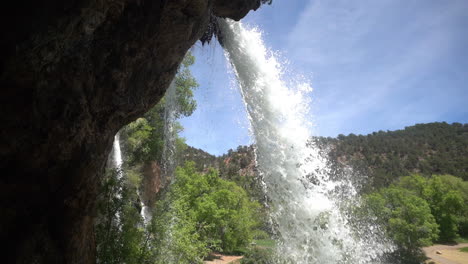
{"x": 222, "y": 259}
{"x": 450, "y": 254}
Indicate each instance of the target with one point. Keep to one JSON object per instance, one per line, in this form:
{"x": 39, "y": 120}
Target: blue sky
{"x": 373, "y": 64}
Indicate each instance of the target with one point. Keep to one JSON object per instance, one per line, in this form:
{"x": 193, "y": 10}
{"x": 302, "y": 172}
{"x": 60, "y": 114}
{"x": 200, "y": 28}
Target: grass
{"x": 262, "y": 243}
{"x": 463, "y": 249}
{"x": 266, "y": 243}
{"x": 462, "y": 240}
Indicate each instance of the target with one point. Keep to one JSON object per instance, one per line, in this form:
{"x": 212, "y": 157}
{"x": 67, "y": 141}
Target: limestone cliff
{"x": 72, "y": 73}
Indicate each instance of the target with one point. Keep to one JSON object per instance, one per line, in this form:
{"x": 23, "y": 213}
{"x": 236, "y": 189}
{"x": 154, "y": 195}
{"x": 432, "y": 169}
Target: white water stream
{"x": 169, "y": 159}
{"x": 308, "y": 207}
{"x": 117, "y": 155}
{"x": 118, "y": 162}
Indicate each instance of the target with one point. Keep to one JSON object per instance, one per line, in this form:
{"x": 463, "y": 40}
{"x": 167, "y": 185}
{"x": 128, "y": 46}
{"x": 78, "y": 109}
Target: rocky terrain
{"x": 72, "y": 73}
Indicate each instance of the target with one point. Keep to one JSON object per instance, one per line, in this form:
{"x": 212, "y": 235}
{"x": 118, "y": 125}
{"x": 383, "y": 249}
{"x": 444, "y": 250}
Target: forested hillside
{"x": 202, "y": 159}
{"x": 433, "y": 148}
{"x": 427, "y": 149}
{"x": 236, "y": 165}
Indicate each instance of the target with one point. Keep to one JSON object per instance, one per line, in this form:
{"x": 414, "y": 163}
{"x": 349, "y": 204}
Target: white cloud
{"x": 363, "y": 52}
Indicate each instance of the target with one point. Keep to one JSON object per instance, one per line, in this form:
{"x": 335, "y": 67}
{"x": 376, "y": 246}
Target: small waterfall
{"x": 169, "y": 159}
{"x": 169, "y": 162}
{"x": 308, "y": 207}
{"x": 118, "y": 162}
{"x": 117, "y": 155}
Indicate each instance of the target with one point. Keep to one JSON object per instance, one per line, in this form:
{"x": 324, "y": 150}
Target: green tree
{"x": 407, "y": 217}
{"x": 446, "y": 197}
{"x": 119, "y": 233}
{"x": 461, "y": 186}
{"x": 204, "y": 213}
{"x": 446, "y": 205}
{"x": 177, "y": 238}
{"x": 144, "y": 138}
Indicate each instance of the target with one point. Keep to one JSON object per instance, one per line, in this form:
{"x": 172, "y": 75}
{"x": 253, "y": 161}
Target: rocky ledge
{"x": 72, "y": 73}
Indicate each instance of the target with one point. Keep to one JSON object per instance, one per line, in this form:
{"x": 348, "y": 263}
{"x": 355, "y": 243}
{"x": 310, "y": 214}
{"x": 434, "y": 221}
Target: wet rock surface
{"x": 72, "y": 74}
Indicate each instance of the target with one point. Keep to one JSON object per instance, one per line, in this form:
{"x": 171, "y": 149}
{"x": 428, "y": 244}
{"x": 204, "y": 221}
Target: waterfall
{"x": 307, "y": 204}
{"x": 170, "y": 134}
{"x": 117, "y": 155}
{"x": 118, "y": 162}
{"x": 169, "y": 163}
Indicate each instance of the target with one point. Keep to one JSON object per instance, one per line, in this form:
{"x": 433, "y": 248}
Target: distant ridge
{"x": 383, "y": 156}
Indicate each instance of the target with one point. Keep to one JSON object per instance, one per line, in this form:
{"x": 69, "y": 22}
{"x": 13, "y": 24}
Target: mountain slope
{"x": 433, "y": 148}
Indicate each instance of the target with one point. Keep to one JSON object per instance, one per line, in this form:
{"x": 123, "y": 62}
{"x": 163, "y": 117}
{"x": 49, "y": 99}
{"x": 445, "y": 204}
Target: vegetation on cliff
{"x": 197, "y": 214}
{"x": 200, "y": 213}
{"x": 143, "y": 139}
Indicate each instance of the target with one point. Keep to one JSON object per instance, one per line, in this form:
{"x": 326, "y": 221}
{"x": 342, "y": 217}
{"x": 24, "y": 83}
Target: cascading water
{"x": 170, "y": 134}
{"x": 169, "y": 163}
{"x": 118, "y": 162}
{"x": 307, "y": 206}
{"x": 117, "y": 155}
{"x": 169, "y": 149}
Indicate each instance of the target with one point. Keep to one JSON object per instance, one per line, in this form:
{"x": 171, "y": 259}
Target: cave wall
{"x": 72, "y": 73}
